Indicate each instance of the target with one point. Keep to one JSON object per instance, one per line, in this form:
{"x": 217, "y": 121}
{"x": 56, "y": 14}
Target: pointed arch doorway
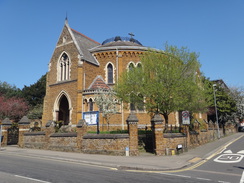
{"x": 63, "y": 110}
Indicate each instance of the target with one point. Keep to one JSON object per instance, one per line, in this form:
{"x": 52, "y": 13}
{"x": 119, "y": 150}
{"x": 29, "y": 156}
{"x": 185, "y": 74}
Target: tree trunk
{"x": 166, "y": 118}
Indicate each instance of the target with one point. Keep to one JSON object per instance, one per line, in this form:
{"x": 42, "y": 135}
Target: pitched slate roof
{"x": 98, "y": 83}
{"x": 85, "y": 43}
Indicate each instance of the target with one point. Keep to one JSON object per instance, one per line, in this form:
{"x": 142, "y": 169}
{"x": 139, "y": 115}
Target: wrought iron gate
{"x": 13, "y": 135}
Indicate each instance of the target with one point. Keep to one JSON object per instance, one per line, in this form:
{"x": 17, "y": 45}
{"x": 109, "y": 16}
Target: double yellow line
{"x": 221, "y": 149}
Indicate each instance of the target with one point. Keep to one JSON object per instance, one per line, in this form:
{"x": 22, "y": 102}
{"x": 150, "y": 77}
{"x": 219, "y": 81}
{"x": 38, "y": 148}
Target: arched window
{"x": 64, "y": 68}
{"x": 90, "y": 105}
{"x": 131, "y": 67}
{"x": 110, "y": 73}
{"x": 139, "y": 65}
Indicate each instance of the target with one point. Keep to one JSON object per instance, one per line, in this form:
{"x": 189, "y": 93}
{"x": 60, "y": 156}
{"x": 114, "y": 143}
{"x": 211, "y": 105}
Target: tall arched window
{"x": 139, "y": 65}
{"x": 64, "y": 68}
{"x": 110, "y": 73}
{"x": 90, "y": 105}
{"x": 131, "y": 67}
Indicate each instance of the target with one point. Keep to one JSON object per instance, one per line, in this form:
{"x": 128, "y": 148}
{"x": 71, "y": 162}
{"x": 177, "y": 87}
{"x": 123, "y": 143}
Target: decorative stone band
{"x": 23, "y": 130}
{"x": 132, "y": 122}
{"x": 158, "y": 129}
{"x": 158, "y": 122}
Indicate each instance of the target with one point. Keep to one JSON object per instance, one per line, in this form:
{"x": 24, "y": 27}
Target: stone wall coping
{"x": 73, "y": 134}
{"x": 24, "y": 121}
{"x": 193, "y": 133}
{"x": 157, "y": 119}
{"x": 106, "y": 136}
{"x": 174, "y": 135}
{"x": 132, "y": 119}
{"x": 6, "y": 122}
{"x": 34, "y": 133}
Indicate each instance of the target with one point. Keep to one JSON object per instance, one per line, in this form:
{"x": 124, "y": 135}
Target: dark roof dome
{"x": 123, "y": 39}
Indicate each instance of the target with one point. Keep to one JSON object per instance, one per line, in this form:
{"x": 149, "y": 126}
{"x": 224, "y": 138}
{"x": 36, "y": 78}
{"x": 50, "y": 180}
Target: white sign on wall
{"x": 91, "y": 117}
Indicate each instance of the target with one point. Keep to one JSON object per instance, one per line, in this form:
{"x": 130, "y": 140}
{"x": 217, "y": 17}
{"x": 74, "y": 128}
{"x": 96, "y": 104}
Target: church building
{"x": 79, "y": 67}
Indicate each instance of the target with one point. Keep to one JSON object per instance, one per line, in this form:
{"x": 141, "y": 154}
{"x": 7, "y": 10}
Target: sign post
{"x": 186, "y": 122}
{"x": 92, "y": 118}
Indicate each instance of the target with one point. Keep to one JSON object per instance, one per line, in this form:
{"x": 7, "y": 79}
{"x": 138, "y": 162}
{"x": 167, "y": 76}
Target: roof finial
{"x": 131, "y": 34}
{"x": 66, "y": 18}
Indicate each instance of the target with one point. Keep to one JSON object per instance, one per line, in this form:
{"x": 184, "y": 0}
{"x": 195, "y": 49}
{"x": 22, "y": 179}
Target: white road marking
{"x": 229, "y": 158}
{"x": 203, "y": 179}
{"x": 28, "y": 178}
{"x": 241, "y": 152}
{"x": 223, "y": 182}
{"x": 229, "y": 152}
{"x": 175, "y": 175}
{"x": 242, "y": 178}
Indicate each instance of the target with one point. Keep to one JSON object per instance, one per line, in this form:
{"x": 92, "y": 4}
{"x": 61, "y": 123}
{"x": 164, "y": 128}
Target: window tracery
{"x": 64, "y": 68}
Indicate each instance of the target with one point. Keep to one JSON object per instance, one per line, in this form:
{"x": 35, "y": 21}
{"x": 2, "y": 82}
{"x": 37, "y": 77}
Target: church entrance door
{"x": 63, "y": 114}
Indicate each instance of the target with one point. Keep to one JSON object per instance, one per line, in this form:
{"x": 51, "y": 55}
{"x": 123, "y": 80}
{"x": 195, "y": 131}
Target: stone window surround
{"x": 106, "y": 72}
{"x": 63, "y": 67}
{"x": 57, "y": 102}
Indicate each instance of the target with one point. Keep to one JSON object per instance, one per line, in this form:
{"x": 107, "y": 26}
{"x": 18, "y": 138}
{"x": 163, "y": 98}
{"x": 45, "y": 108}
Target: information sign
{"x": 92, "y": 118}
{"x": 185, "y": 118}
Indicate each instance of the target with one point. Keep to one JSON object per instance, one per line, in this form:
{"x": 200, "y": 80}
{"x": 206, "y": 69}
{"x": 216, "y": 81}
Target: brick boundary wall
{"x": 116, "y": 144}
{"x": 112, "y": 144}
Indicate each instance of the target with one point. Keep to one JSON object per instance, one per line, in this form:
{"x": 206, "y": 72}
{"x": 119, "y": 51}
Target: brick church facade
{"x": 78, "y": 67}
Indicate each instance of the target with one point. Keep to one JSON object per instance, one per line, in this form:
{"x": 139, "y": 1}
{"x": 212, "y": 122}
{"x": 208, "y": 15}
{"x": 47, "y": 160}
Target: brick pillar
{"x": 6, "y": 124}
{"x": 158, "y": 138}
{"x": 50, "y": 129}
{"x": 24, "y": 126}
{"x": 132, "y": 122}
{"x": 81, "y": 130}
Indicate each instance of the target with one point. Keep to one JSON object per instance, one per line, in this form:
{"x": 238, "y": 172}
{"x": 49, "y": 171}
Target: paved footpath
{"x": 142, "y": 162}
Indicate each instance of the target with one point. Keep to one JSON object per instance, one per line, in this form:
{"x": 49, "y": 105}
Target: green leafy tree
{"x": 35, "y": 93}
{"x": 8, "y": 90}
{"x": 107, "y": 103}
{"x": 226, "y": 105}
{"x": 169, "y": 81}
{"x": 227, "y": 102}
{"x": 36, "y": 112}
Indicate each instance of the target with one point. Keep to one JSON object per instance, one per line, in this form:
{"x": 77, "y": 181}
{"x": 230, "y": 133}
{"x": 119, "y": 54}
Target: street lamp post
{"x": 216, "y": 112}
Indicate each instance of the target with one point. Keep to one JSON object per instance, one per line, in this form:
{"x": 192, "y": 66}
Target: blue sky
{"x": 213, "y": 28}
